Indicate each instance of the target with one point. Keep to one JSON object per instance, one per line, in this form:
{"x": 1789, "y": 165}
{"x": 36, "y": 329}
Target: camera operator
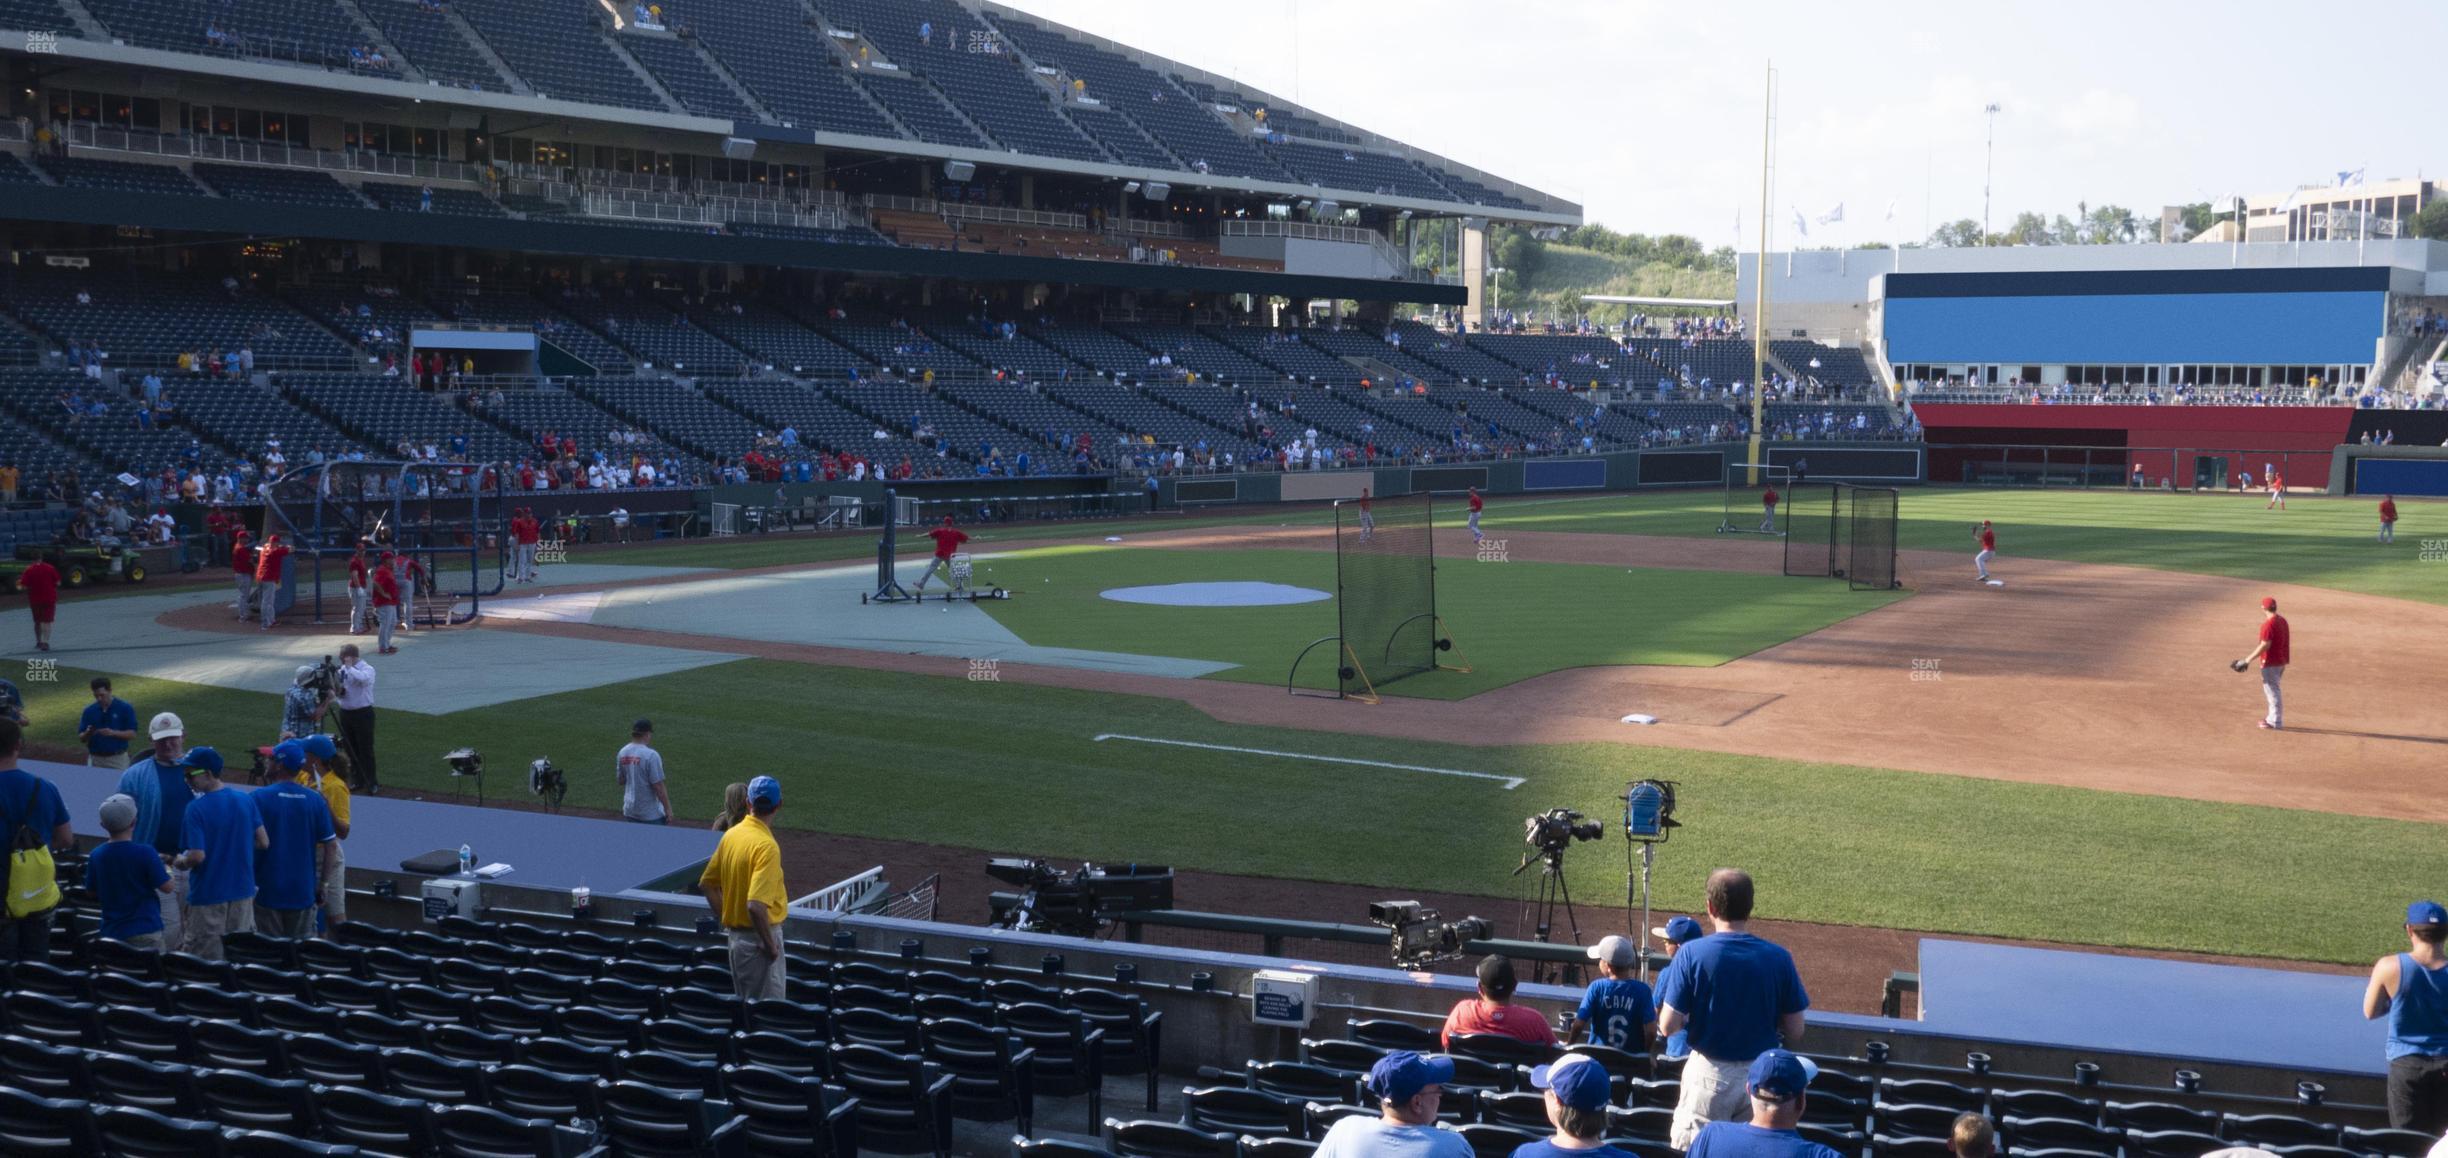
{"x": 309, "y": 695}
{"x": 355, "y": 696}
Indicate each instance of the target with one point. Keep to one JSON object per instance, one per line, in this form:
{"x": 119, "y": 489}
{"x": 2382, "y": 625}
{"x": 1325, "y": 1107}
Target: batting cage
{"x": 1747, "y": 511}
{"x": 1841, "y": 531}
{"x": 446, "y": 523}
{"x": 1386, "y": 623}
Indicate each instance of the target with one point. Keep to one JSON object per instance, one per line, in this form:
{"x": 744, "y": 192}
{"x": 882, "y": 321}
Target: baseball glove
{"x": 2240, "y": 665}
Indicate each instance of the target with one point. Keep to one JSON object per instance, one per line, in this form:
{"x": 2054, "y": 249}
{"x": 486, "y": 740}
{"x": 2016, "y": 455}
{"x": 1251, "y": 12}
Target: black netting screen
{"x": 1385, "y": 597}
{"x": 1810, "y": 533}
{"x": 1870, "y": 520}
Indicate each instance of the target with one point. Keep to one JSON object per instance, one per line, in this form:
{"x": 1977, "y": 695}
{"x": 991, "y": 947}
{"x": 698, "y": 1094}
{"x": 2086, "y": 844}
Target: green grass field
{"x": 1829, "y": 843}
{"x": 1513, "y": 620}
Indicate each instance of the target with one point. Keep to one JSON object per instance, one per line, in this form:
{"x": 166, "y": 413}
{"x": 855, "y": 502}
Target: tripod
{"x": 1551, "y": 893}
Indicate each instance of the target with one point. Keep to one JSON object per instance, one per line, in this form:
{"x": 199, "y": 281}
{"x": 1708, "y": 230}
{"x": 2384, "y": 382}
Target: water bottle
{"x": 467, "y": 859}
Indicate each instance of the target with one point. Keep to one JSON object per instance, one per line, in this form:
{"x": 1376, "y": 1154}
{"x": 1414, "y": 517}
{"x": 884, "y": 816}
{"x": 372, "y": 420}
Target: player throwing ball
{"x": 1986, "y": 536}
{"x": 1475, "y": 503}
{"x": 948, "y": 539}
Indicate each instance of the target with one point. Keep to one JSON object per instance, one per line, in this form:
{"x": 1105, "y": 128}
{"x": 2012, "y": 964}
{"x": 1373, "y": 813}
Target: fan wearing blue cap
{"x": 1408, "y": 1088}
{"x": 1779, "y": 1085}
{"x": 743, "y": 886}
{"x": 1578, "y": 1092}
{"x": 2410, "y": 989}
{"x": 322, "y": 774}
{"x": 297, "y": 854}
{"x": 1677, "y": 933}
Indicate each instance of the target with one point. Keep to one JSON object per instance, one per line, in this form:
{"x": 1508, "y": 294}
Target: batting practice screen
{"x": 1385, "y": 589}
{"x": 1870, "y": 518}
{"x": 1811, "y": 533}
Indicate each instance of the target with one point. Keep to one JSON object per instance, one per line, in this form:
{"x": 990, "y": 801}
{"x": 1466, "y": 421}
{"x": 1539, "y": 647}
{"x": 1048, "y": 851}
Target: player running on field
{"x": 1475, "y": 503}
{"x": 1368, "y": 522}
{"x": 1986, "y": 536}
{"x": 2388, "y": 518}
{"x": 2277, "y": 492}
{"x": 1768, "y": 502}
{"x": 948, "y": 539}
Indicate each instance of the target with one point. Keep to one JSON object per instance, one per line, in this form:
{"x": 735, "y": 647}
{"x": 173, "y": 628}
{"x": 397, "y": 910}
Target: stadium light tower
{"x": 1496, "y": 276}
{"x": 1989, "y": 169}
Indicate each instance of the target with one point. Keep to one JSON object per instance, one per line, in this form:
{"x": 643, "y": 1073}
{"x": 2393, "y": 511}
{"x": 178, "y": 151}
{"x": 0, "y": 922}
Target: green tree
{"x": 2111, "y": 225}
{"x": 2030, "y": 229}
{"x": 1960, "y": 232}
{"x": 2432, "y": 222}
{"x": 2198, "y": 216}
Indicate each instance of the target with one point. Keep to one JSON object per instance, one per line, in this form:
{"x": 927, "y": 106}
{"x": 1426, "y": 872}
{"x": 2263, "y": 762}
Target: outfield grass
{"x": 1512, "y": 620}
{"x": 2319, "y": 542}
{"x": 1012, "y": 768}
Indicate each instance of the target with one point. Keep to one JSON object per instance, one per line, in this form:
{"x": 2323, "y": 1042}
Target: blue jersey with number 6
{"x": 1616, "y": 1010}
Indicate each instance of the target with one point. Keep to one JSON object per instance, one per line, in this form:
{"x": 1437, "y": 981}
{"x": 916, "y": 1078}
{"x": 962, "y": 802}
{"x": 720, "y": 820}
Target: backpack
{"x": 33, "y": 879}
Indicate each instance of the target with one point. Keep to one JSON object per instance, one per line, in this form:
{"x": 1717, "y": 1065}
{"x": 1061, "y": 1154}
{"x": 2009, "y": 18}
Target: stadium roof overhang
{"x": 231, "y": 217}
{"x": 544, "y": 110}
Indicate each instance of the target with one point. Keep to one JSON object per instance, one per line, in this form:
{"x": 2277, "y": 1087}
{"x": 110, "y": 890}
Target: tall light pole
{"x": 1989, "y": 171}
{"x": 1496, "y": 275}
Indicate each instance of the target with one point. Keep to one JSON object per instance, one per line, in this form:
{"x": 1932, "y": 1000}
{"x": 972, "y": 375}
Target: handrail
{"x": 274, "y": 153}
{"x": 1014, "y": 216}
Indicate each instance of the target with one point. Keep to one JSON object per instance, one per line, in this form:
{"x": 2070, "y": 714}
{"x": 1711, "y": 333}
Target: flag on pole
{"x": 2349, "y": 178}
{"x": 1833, "y": 216}
{"x": 1891, "y": 209}
{"x": 1801, "y": 223}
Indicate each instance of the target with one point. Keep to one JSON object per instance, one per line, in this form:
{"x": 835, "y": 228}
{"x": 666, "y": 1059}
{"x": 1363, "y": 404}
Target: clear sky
{"x": 1648, "y": 113}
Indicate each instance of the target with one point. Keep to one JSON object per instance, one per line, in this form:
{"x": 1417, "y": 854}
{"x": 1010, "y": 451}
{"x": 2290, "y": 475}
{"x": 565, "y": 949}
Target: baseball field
{"x": 2065, "y": 758}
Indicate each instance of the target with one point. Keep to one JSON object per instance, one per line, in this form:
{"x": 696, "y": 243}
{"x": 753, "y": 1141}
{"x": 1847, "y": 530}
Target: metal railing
{"x": 1138, "y": 228}
{"x": 209, "y": 148}
{"x": 2101, "y": 396}
{"x": 602, "y": 204}
{"x": 1045, "y": 218}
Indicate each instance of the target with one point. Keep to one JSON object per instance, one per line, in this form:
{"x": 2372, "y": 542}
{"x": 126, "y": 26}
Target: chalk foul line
{"x": 1510, "y": 782}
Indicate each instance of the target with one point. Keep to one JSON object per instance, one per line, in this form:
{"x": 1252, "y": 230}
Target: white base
{"x": 1640, "y": 718}
{"x": 1996, "y": 582}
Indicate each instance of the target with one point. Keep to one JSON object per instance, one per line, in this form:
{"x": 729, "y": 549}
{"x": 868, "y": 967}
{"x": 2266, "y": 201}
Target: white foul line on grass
{"x": 1510, "y": 782}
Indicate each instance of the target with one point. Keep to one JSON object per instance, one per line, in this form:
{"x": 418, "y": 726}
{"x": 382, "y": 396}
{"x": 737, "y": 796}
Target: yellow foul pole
{"x": 1759, "y": 280}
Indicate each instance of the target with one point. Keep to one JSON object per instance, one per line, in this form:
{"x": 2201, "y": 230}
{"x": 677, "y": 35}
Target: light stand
{"x": 1649, "y": 807}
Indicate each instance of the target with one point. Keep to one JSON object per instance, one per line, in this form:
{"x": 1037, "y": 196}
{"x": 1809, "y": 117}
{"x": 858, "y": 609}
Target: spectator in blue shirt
{"x": 2410, "y": 989}
{"x": 1408, "y": 1089}
{"x": 157, "y": 786}
{"x": 106, "y": 727}
{"x": 1578, "y": 1091}
{"x": 222, "y": 832}
{"x": 1738, "y": 995}
{"x": 1617, "y": 1011}
{"x": 297, "y": 855}
{"x": 1778, "y": 1087}
{"x": 32, "y": 802}
{"x": 128, "y": 879}
{"x": 1677, "y": 933}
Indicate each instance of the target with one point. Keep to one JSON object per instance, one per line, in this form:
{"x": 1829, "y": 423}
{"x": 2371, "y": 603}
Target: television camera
{"x": 1422, "y": 937}
{"x": 1078, "y": 903}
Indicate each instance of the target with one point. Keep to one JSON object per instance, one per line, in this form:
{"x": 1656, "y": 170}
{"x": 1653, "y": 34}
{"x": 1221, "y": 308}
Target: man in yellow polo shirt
{"x": 317, "y": 774}
{"x": 743, "y": 885}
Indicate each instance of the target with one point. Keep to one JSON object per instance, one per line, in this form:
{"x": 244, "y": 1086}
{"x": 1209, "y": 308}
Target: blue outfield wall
{"x": 2400, "y": 476}
{"x": 2294, "y": 328}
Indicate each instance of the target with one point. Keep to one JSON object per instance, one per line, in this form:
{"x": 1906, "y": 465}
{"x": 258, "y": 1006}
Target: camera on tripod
{"x": 1550, "y": 831}
{"x": 325, "y": 680}
{"x": 1421, "y": 938}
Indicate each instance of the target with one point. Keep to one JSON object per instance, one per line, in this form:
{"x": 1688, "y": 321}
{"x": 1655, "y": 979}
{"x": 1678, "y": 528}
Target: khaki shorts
{"x": 286, "y": 924}
{"x": 335, "y": 887}
{"x": 754, "y": 977}
{"x": 1712, "y": 1092}
{"x": 207, "y": 924}
{"x": 117, "y": 760}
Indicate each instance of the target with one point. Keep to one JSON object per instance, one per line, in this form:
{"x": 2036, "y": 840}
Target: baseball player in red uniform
{"x": 1987, "y": 538}
{"x": 1368, "y": 521}
{"x": 2388, "y": 518}
{"x": 41, "y": 584}
{"x": 1768, "y": 502}
{"x": 2274, "y": 653}
{"x": 1475, "y": 504}
{"x": 357, "y": 590}
{"x": 242, "y": 568}
{"x": 2277, "y": 492}
{"x": 268, "y": 562}
{"x": 948, "y": 539}
{"x": 525, "y": 532}
{"x": 383, "y": 591}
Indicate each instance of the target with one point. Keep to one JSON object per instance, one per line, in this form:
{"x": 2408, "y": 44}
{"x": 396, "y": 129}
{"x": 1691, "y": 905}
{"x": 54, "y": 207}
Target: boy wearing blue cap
{"x": 222, "y": 832}
{"x": 743, "y": 885}
{"x": 290, "y": 867}
{"x": 1779, "y": 1084}
{"x": 2410, "y": 989}
{"x": 1408, "y": 1088}
{"x": 1677, "y": 933}
{"x": 1578, "y": 1091}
